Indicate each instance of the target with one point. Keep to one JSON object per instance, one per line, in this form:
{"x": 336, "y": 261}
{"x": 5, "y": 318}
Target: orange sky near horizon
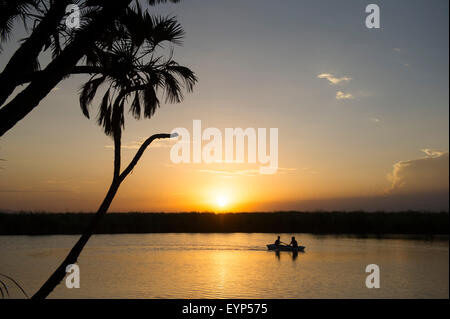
{"x": 362, "y": 117}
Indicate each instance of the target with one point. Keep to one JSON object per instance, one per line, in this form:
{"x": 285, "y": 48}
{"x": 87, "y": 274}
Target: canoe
{"x": 285, "y": 248}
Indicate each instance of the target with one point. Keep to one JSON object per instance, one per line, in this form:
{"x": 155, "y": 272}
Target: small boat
{"x": 285, "y": 248}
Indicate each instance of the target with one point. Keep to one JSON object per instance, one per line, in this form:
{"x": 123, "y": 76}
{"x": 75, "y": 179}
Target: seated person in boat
{"x": 277, "y": 242}
{"x": 293, "y": 242}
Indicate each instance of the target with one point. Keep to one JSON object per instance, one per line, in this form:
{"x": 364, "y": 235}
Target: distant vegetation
{"x": 279, "y": 222}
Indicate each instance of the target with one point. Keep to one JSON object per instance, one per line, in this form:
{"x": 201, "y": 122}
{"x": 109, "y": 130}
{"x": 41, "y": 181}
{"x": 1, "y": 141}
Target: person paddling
{"x": 277, "y": 242}
{"x": 293, "y": 242}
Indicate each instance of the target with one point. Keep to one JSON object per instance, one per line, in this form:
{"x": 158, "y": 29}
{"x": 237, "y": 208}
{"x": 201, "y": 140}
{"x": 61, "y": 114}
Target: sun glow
{"x": 223, "y": 196}
{"x": 221, "y": 201}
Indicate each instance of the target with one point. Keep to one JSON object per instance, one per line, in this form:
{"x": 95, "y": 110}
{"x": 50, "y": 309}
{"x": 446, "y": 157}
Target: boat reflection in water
{"x": 294, "y": 254}
{"x": 285, "y": 248}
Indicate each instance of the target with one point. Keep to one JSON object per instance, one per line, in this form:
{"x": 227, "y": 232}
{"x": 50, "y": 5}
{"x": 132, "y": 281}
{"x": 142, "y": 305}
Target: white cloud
{"x": 242, "y": 172}
{"x": 343, "y": 96}
{"x": 229, "y": 173}
{"x": 286, "y": 170}
{"x": 309, "y": 170}
{"x": 375, "y": 120}
{"x": 332, "y": 79}
{"x": 433, "y": 153}
{"x": 423, "y": 175}
{"x": 397, "y": 50}
{"x": 134, "y": 145}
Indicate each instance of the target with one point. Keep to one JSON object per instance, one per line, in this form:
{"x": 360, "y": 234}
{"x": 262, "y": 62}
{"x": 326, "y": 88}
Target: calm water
{"x": 231, "y": 266}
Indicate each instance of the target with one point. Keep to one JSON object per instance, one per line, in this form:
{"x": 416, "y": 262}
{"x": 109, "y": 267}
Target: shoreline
{"x": 361, "y": 224}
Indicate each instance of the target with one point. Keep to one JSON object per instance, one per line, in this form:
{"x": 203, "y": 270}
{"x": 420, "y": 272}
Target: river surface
{"x": 234, "y": 265}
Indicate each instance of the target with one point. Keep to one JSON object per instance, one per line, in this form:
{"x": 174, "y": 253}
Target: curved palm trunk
{"x": 118, "y": 178}
{"x": 72, "y": 257}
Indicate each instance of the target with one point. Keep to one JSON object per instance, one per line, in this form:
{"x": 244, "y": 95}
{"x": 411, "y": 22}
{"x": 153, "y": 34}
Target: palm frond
{"x": 129, "y": 62}
{"x": 151, "y": 101}
{"x": 172, "y": 88}
{"x": 88, "y": 91}
{"x": 135, "y": 107}
{"x": 185, "y": 74}
{"x": 15, "y": 283}
{"x": 154, "y": 2}
{"x": 4, "y": 289}
{"x": 104, "y": 114}
{"x": 10, "y": 12}
{"x": 166, "y": 29}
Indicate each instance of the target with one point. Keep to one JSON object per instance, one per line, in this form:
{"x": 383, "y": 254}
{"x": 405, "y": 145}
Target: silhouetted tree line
{"x": 277, "y": 222}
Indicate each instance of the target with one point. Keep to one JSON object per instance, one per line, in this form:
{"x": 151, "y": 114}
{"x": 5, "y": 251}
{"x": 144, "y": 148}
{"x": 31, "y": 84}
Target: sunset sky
{"x": 362, "y": 115}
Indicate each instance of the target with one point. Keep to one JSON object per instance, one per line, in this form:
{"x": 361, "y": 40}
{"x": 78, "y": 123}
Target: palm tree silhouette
{"x": 68, "y": 48}
{"x": 129, "y": 66}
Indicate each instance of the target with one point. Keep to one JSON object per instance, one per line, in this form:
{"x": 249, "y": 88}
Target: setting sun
{"x": 222, "y": 201}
